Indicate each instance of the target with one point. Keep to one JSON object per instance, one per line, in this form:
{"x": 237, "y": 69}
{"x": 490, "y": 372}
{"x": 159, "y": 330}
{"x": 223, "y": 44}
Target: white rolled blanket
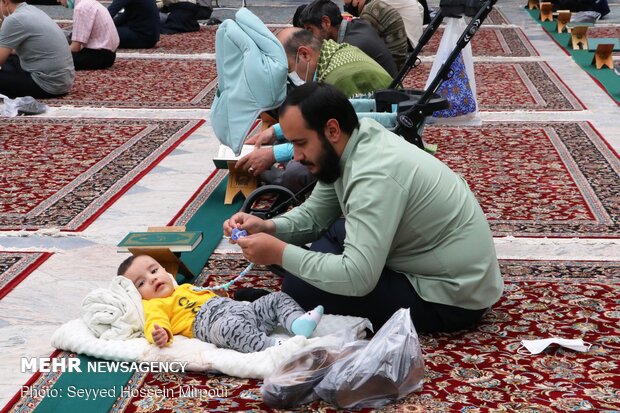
{"x": 114, "y": 313}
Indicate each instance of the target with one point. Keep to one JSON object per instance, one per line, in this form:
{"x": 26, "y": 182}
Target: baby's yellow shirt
{"x": 175, "y": 313}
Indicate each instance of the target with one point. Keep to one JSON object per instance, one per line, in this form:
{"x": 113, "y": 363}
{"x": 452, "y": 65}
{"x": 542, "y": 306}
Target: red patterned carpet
{"x": 144, "y": 83}
{"x": 511, "y": 86}
{"x": 496, "y": 17}
{"x": 539, "y": 180}
{"x": 63, "y": 173}
{"x": 16, "y": 266}
{"x": 485, "y": 369}
{"x": 491, "y": 41}
{"x": 604, "y": 31}
{"x": 202, "y": 41}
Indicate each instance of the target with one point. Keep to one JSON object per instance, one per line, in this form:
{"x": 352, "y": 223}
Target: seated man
{"x": 179, "y": 16}
{"x": 93, "y": 37}
{"x": 343, "y": 65}
{"x": 139, "y": 25}
{"x": 387, "y": 22}
{"x": 413, "y": 235}
{"x": 324, "y": 20}
{"x": 41, "y": 65}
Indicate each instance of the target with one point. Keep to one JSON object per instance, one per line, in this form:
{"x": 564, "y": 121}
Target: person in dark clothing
{"x": 427, "y": 13}
{"x": 181, "y": 17}
{"x": 139, "y": 25}
{"x": 324, "y": 20}
{"x": 599, "y": 6}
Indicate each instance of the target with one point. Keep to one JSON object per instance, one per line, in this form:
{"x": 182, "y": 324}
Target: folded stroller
{"x": 402, "y": 110}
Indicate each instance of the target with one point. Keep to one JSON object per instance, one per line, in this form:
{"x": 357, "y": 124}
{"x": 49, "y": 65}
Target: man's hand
{"x": 262, "y": 249}
{"x": 75, "y": 46}
{"x": 250, "y": 223}
{"x": 160, "y": 336}
{"x": 266, "y": 137}
{"x": 257, "y": 161}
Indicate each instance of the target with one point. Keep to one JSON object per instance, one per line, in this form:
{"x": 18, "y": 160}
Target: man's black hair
{"x": 297, "y": 16}
{"x": 313, "y": 13}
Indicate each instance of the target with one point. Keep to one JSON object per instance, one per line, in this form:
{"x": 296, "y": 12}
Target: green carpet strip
{"x": 605, "y": 77}
{"x": 109, "y": 385}
{"x": 209, "y": 219}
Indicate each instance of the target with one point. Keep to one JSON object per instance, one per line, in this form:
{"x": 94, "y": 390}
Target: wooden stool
{"x": 603, "y": 48}
{"x": 532, "y": 4}
{"x": 578, "y": 36}
{"x": 563, "y": 19}
{"x": 267, "y": 119}
{"x": 238, "y": 181}
{"x": 546, "y": 12}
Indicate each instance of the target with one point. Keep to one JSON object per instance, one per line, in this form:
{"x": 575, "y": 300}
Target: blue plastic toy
{"x": 237, "y": 233}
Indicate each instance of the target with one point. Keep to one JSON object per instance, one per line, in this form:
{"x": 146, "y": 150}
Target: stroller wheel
{"x": 269, "y": 200}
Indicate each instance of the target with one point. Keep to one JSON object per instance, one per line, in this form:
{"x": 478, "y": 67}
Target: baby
{"x": 237, "y": 325}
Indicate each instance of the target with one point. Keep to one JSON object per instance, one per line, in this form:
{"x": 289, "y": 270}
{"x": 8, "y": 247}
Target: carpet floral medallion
{"x": 539, "y": 180}
{"x": 63, "y": 173}
{"x": 511, "y": 86}
{"x": 491, "y": 41}
{"x": 144, "y": 83}
{"x": 16, "y": 266}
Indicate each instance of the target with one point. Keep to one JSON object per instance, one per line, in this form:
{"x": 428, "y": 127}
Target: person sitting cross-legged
{"x": 94, "y": 38}
{"x": 391, "y": 226}
{"x": 388, "y": 23}
{"x": 138, "y": 25}
{"x": 34, "y": 57}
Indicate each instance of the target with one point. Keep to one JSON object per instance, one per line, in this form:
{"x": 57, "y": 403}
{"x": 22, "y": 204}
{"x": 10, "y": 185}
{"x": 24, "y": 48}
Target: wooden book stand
{"x": 603, "y": 56}
{"x": 238, "y": 181}
{"x": 563, "y": 19}
{"x": 578, "y": 36}
{"x": 546, "y": 12}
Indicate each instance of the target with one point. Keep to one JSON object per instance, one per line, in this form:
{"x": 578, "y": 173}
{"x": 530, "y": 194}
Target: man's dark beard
{"x": 328, "y": 165}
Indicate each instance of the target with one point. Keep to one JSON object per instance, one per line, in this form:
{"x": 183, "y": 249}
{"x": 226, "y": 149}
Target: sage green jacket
{"x": 405, "y": 210}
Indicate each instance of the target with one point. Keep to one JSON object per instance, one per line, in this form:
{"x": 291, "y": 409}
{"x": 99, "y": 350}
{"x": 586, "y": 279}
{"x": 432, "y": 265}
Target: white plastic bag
{"x": 292, "y": 384}
{"x": 387, "y": 369}
{"x": 26, "y": 105}
{"x": 463, "y": 103}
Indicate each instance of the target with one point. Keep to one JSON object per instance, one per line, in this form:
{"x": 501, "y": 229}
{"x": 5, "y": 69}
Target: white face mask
{"x": 295, "y": 79}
